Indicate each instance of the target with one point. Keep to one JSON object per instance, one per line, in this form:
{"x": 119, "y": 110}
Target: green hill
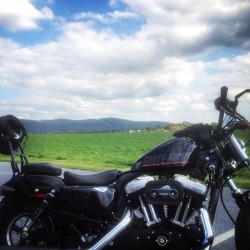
{"x": 88, "y": 125}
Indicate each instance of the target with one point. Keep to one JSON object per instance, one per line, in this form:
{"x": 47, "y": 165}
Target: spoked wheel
{"x": 12, "y": 234}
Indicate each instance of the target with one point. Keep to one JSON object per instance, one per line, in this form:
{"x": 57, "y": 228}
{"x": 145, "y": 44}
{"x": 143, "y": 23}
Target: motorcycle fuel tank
{"x": 176, "y": 155}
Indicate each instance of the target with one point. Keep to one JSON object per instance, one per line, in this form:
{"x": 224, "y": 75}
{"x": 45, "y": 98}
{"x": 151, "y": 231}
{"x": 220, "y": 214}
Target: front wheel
{"x": 242, "y": 229}
{"x": 16, "y": 219}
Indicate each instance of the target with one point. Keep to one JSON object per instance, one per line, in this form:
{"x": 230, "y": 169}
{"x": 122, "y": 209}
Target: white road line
{"x": 223, "y": 237}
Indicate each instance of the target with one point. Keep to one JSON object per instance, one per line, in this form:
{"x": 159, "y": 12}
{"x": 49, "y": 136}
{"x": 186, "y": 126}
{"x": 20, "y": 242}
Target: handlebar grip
{"x": 223, "y": 95}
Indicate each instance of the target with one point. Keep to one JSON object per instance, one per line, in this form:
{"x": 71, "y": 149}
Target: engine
{"x": 169, "y": 213}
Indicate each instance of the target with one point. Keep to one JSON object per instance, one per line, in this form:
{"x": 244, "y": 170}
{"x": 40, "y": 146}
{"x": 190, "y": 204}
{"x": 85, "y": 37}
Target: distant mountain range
{"x": 89, "y": 125}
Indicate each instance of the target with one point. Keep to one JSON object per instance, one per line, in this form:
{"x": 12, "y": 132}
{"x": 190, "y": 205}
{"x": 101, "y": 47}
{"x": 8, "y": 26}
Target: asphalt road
{"x": 223, "y": 226}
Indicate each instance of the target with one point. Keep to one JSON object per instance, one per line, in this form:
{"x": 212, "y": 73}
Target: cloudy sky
{"x": 131, "y": 59}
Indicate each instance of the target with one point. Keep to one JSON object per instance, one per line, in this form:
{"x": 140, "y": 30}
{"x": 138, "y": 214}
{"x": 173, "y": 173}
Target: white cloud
{"x": 17, "y": 15}
{"x": 150, "y": 75}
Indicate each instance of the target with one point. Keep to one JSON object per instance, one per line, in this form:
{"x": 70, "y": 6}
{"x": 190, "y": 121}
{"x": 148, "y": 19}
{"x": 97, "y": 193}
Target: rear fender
{"x": 6, "y": 204}
{"x": 6, "y": 190}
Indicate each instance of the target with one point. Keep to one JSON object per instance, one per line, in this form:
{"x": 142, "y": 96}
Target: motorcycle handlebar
{"x": 224, "y": 105}
{"x": 223, "y": 95}
{"x": 221, "y": 102}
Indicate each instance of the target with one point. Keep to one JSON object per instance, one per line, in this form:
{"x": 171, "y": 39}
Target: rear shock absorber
{"x": 39, "y": 211}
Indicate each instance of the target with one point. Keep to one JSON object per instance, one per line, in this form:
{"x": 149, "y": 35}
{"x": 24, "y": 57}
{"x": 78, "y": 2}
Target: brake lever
{"x": 224, "y": 105}
{"x": 241, "y": 94}
{"x": 235, "y": 104}
{"x": 229, "y": 107}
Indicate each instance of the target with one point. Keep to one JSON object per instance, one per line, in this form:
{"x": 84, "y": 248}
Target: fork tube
{"x": 235, "y": 191}
{"x": 238, "y": 148}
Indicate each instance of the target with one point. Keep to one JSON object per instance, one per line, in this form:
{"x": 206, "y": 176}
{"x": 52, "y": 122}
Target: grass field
{"x": 100, "y": 151}
{"x": 93, "y": 151}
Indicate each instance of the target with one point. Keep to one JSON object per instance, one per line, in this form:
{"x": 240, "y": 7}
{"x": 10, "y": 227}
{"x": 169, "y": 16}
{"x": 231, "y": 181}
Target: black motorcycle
{"x": 167, "y": 200}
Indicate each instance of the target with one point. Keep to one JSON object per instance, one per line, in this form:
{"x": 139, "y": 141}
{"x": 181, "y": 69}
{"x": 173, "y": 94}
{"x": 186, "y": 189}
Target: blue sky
{"x": 131, "y": 59}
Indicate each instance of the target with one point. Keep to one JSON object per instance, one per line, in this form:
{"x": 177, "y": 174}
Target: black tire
{"x": 15, "y": 219}
{"x": 242, "y": 229}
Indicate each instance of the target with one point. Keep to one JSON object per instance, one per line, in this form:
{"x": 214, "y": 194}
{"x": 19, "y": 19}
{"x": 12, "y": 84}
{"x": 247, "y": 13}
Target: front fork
{"x": 39, "y": 211}
{"x": 240, "y": 198}
{"x": 236, "y": 192}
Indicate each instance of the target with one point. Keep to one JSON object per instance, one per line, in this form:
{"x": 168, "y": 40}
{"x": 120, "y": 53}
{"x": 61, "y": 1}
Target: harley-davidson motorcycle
{"x": 167, "y": 200}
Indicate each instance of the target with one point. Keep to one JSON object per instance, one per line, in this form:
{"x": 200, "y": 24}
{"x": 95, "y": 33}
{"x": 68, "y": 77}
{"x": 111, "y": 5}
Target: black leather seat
{"x": 97, "y": 179}
{"x": 41, "y": 168}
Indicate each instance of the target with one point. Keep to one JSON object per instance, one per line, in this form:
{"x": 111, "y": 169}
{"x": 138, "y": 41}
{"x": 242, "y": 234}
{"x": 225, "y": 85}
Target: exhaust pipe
{"x": 207, "y": 227}
{"x": 113, "y": 233}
